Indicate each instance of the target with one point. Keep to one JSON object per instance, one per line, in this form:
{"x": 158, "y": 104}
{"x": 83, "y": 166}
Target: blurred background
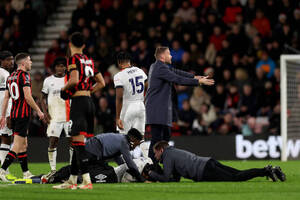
{"x": 239, "y": 41}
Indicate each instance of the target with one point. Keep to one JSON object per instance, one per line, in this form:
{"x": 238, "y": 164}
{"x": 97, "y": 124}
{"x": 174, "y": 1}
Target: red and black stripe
{"x": 20, "y": 108}
{"x": 84, "y": 83}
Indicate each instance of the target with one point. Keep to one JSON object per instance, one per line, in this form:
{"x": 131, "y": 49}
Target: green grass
{"x": 257, "y": 189}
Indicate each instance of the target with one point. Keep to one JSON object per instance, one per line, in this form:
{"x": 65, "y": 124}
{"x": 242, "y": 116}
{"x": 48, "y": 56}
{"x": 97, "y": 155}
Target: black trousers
{"x": 215, "y": 171}
{"x": 158, "y": 132}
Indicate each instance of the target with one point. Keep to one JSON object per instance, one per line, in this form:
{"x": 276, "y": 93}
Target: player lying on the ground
{"x": 114, "y": 146}
{"x": 100, "y": 172}
{"x": 177, "y": 163}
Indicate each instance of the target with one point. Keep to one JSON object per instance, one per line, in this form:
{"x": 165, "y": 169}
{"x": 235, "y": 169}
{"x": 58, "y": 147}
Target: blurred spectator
{"x": 231, "y": 11}
{"x": 105, "y": 117}
{"x": 185, "y": 12}
{"x": 267, "y": 64}
{"x": 248, "y": 101}
{"x": 217, "y": 38}
{"x": 219, "y": 97}
{"x": 232, "y": 99}
{"x": 225, "y": 125}
{"x": 37, "y": 85}
{"x": 54, "y": 52}
{"x": 186, "y": 117}
{"x": 199, "y": 127}
{"x": 262, "y": 24}
{"x": 274, "y": 119}
{"x": 176, "y": 52}
{"x": 198, "y": 98}
{"x": 208, "y": 114}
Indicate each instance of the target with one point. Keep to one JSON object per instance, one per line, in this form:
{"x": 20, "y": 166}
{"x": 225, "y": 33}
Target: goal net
{"x": 290, "y": 106}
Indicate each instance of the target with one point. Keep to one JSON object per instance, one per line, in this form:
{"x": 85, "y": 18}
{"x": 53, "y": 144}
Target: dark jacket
{"x": 159, "y": 93}
{"x": 179, "y": 163}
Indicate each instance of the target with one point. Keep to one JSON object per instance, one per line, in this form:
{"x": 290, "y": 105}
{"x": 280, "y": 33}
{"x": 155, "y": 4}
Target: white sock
{"x": 4, "y": 149}
{"x": 73, "y": 179}
{"x": 86, "y": 179}
{"x": 71, "y": 151}
{"x": 52, "y": 153}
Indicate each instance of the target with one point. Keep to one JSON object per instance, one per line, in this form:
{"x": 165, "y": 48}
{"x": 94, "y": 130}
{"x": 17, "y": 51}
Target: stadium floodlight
{"x": 290, "y": 100}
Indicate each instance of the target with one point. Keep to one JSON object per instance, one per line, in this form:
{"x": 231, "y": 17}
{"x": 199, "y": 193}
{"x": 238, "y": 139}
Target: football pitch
{"x": 257, "y": 189}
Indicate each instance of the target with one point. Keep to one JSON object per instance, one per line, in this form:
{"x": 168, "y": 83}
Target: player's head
{"x": 76, "y": 41}
{"x": 7, "y": 60}
{"x": 123, "y": 59}
{"x": 23, "y": 60}
{"x": 135, "y": 138}
{"x": 163, "y": 54}
{"x": 159, "y": 148}
{"x": 59, "y": 66}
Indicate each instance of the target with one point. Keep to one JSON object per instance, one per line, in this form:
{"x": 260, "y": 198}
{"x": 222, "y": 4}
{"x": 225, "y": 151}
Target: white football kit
{"x": 3, "y": 77}
{"x": 132, "y": 80}
{"x": 124, "y": 176}
{"x": 58, "y": 109}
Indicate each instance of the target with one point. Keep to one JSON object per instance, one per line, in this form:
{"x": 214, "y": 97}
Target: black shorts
{"x": 20, "y": 126}
{"x": 82, "y": 116}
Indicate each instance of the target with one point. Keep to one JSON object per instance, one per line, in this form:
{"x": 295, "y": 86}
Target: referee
{"x": 179, "y": 163}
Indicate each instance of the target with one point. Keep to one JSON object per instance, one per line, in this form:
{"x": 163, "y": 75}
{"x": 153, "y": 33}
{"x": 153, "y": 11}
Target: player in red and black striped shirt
{"x": 81, "y": 76}
{"x": 18, "y": 87}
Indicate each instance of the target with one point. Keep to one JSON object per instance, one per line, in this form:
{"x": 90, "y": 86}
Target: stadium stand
{"x": 240, "y": 42}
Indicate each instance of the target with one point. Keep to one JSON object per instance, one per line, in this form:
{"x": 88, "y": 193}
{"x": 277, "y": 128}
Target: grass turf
{"x": 258, "y": 188}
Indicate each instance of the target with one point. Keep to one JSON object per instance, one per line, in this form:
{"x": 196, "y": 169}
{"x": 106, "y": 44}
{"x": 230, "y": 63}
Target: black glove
{"x": 64, "y": 95}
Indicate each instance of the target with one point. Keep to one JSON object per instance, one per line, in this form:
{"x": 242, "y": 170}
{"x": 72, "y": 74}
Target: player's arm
{"x": 43, "y": 100}
{"x": 167, "y": 172}
{"x": 74, "y": 79}
{"x": 4, "y": 107}
{"x": 119, "y": 103}
{"x": 31, "y": 102}
{"x": 100, "y": 83}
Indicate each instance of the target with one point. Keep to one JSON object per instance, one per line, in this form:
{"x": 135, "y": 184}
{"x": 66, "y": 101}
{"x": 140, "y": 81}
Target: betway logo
{"x": 263, "y": 148}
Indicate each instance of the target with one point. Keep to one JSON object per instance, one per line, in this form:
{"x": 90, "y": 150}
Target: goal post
{"x": 289, "y": 100}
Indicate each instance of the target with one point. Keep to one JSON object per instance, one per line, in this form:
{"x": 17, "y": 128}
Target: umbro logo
{"x": 100, "y": 178}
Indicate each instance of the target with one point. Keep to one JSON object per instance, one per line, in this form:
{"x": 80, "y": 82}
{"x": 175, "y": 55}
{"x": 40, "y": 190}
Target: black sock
{"x": 22, "y": 157}
{"x": 74, "y": 165}
{"x": 11, "y": 156}
{"x": 81, "y": 156}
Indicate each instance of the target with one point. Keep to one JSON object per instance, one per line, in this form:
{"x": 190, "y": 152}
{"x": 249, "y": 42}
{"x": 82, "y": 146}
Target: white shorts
{"x": 133, "y": 116}
{"x": 55, "y": 129}
{"x": 5, "y": 131}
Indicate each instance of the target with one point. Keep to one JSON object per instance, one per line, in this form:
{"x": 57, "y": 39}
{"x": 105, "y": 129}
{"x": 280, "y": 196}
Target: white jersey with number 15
{"x": 132, "y": 79}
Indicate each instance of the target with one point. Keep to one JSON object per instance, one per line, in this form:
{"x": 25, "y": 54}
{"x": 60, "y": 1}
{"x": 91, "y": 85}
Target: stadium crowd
{"x": 239, "y": 42}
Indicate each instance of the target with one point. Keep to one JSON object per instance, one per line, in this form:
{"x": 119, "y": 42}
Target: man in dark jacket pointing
{"x": 180, "y": 163}
{"x": 159, "y": 94}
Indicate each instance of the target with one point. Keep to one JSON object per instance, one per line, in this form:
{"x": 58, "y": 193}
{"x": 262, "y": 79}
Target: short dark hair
{"x": 133, "y": 132}
{"x": 21, "y": 56}
{"x": 161, "y": 145}
{"x": 5, "y": 54}
{"x": 123, "y": 57}
{"x": 59, "y": 61}
{"x": 77, "y": 39}
{"x": 159, "y": 51}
